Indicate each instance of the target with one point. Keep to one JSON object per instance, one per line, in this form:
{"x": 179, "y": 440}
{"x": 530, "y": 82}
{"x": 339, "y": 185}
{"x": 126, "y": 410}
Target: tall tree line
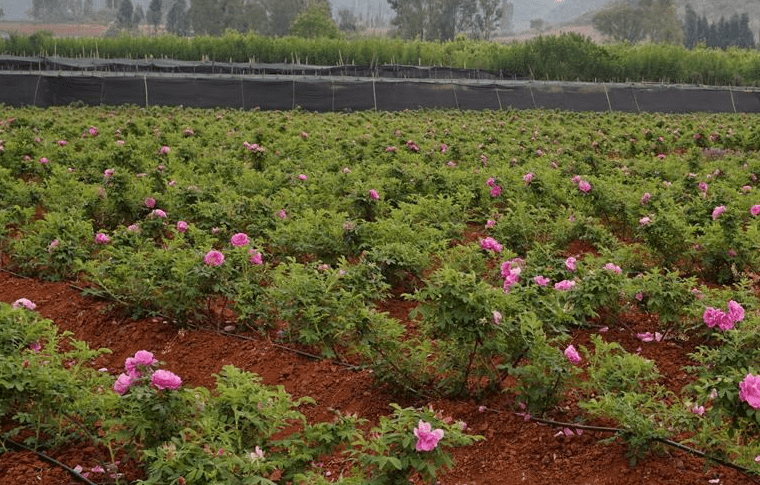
{"x": 721, "y": 34}
{"x": 445, "y": 19}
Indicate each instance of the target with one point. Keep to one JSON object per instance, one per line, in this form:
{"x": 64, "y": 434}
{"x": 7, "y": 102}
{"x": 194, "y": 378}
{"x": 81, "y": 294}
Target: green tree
{"x": 690, "y": 24}
{"x": 138, "y": 16}
{"x": 280, "y": 15}
{"x": 621, "y": 22}
{"x": 489, "y": 17}
{"x": 178, "y": 19}
{"x": 124, "y": 15}
{"x": 347, "y": 21}
{"x": 153, "y": 16}
{"x": 315, "y": 21}
{"x": 661, "y": 21}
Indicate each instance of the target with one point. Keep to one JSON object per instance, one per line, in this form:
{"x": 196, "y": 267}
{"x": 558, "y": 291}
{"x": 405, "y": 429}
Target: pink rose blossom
{"x": 101, "y": 238}
{"x": 373, "y": 194}
{"x": 92, "y": 131}
{"x": 490, "y": 244}
{"x": 749, "y": 390}
{"x": 754, "y": 210}
{"x": 746, "y": 188}
{"x": 158, "y": 213}
{"x": 302, "y": 176}
{"x": 120, "y": 142}
{"x": 735, "y": 311}
{"x": 122, "y": 384}
{"x": 427, "y": 438}
{"x": 163, "y": 379}
{"x": 164, "y": 150}
{"x": 239, "y": 239}
{"x": 213, "y": 258}
{"x": 391, "y": 149}
{"x": 149, "y": 202}
{"x": 257, "y": 454}
{"x": 444, "y": 148}
{"x": 108, "y": 173}
{"x": 645, "y": 198}
{"x": 496, "y": 317}
{"x": 282, "y": 214}
{"x": 584, "y": 186}
{"x": 44, "y": 160}
{"x": 565, "y": 285}
{"x": 24, "y": 302}
{"x": 718, "y": 211}
{"x": 698, "y": 410}
{"x": 613, "y": 267}
{"x": 62, "y": 143}
{"x": 576, "y": 179}
{"x": 541, "y": 280}
{"x": 182, "y": 226}
{"x": 644, "y": 221}
{"x": 256, "y": 257}
{"x": 133, "y": 228}
{"x": 570, "y": 263}
{"x": 490, "y": 182}
{"x": 528, "y": 177}
{"x": 572, "y": 355}
{"x": 141, "y": 357}
{"x": 495, "y": 191}
{"x": 490, "y": 223}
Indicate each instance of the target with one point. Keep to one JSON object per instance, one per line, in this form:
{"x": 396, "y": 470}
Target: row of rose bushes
{"x": 241, "y": 432}
{"x": 303, "y": 222}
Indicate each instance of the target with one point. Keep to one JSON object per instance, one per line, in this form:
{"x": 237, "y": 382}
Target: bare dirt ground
{"x": 58, "y": 30}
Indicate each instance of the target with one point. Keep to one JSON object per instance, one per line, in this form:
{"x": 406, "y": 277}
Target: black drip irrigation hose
{"x": 71, "y": 471}
{"x": 751, "y": 474}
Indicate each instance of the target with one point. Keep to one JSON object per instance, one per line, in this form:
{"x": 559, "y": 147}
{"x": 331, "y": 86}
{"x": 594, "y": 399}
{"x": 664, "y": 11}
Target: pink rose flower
{"x": 565, "y": 285}
{"x": 490, "y": 244}
{"x": 495, "y": 191}
{"x": 754, "y": 210}
{"x": 613, "y": 267}
{"x": 122, "y": 384}
{"x": 239, "y": 239}
{"x": 44, "y": 160}
{"x": 570, "y": 263}
{"x": 62, "y": 143}
{"x": 645, "y": 198}
{"x": 496, "y": 317}
{"x": 256, "y": 257}
{"x": 108, "y": 173}
{"x": 528, "y": 177}
{"x": 158, "y": 213}
{"x": 373, "y": 194}
{"x": 427, "y": 438}
{"x": 214, "y": 258}
{"x": 101, "y": 238}
{"x": 541, "y": 280}
{"x": 149, "y": 202}
{"x": 182, "y": 226}
{"x": 24, "y": 302}
{"x": 698, "y": 410}
{"x": 302, "y": 176}
{"x": 282, "y": 214}
{"x": 141, "y": 357}
{"x": 163, "y": 379}
{"x": 164, "y": 150}
{"x": 749, "y": 390}
{"x": 572, "y": 355}
{"x": 644, "y": 221}
{"x": 584, "y": 186}
{"x": 718, "y": 211}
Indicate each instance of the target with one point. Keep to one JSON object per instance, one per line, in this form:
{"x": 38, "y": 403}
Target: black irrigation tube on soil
{"x": 664, "y": 441}
{"x": 71, "y": 471}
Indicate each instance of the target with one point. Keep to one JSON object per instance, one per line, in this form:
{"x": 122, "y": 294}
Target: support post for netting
{"x": 635, "y": 100}
{"x": 34, "y": 103}
{"x": 374, "y": 93}
{"x": 145, "y": 83}
{"x": 530, "y": 86}
{"x": 454, "y": 90}
{"x": 609, "y": 105}
{"x": 498, "y": 98}
{"x": 731, "y": 92}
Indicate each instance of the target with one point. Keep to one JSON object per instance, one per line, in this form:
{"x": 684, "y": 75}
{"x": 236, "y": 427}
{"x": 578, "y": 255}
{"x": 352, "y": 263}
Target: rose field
{"x": 262, "y": 297}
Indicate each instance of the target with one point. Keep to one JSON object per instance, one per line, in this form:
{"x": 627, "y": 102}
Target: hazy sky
{"x": 15, "y": 9}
